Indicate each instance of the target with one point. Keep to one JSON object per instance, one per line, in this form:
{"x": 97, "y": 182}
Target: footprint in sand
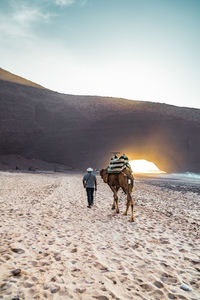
{"x": 146, "y": 287}
{"x": 101, "y": 297}
{"x": 28, "y": 284}
{"x": 101, "y": 267}
{"x": 169, "y": 279}
{"x": 158, "y": 284}
{"x": 158, "y": 295}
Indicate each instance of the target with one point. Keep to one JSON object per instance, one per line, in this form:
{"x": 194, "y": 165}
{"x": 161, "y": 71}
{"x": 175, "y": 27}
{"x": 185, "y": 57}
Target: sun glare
{"x": 144, "y": 166}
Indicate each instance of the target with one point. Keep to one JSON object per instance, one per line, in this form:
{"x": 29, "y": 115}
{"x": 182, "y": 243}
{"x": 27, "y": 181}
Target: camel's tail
{"x": 130, "y": 182}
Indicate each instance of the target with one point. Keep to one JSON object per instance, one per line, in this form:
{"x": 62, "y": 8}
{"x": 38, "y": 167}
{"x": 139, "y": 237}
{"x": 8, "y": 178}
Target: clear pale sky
{"x": 135, "y": 49}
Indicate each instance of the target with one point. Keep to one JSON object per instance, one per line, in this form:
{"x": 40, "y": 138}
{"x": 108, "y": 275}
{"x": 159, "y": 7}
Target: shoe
{"x": 89, "y": 206}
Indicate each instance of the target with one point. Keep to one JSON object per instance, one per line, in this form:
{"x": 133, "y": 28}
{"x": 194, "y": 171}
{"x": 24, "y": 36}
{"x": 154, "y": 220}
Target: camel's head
{"x": 102, "y": 172}
{"x": 104, "y": 175}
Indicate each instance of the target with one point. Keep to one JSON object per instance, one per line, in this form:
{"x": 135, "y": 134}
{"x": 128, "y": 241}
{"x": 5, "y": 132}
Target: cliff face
{"x": 80, "y": 131}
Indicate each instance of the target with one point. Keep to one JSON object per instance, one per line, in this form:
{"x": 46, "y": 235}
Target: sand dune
{"x": 54, "y": 247}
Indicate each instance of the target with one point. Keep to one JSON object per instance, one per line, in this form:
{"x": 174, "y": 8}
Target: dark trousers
{"x": 90, "y": 195}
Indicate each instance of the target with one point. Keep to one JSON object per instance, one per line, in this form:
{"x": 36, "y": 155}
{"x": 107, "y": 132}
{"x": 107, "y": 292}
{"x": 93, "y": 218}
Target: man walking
{"x": 90, "y": 184}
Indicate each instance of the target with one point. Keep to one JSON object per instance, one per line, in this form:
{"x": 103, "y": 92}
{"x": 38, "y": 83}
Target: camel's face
{"x": 102, "y": 172}
{"x": 104, "y": 175}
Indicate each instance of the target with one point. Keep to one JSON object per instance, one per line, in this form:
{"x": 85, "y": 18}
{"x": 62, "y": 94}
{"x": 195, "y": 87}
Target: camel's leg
{"x": 127, "y": 206}
{"x": 132, "y": 212}
{"x": 129, "y": 202}
{"x": 113, "y": 190}
{"x": 115, "y": 202}
{"x": 113, "y": 205}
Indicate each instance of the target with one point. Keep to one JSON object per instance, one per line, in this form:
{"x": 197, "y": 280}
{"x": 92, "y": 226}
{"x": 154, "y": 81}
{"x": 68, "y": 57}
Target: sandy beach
{"x": 53, "y": 247}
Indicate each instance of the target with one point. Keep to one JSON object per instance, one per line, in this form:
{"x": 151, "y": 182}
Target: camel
{"x": 116, "y": 181}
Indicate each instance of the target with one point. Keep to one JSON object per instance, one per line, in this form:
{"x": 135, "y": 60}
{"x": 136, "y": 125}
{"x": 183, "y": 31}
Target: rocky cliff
{"x": 80, "y": 131}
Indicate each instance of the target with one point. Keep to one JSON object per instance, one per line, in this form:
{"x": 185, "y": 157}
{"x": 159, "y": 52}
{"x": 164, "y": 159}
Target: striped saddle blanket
{"x": 117, "y": 165}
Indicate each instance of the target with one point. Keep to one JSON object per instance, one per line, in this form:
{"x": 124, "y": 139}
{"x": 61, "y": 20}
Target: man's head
{"x": 89, "y": 170}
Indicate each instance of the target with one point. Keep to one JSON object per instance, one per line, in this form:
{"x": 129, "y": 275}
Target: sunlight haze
{"x": 144, "y": 166}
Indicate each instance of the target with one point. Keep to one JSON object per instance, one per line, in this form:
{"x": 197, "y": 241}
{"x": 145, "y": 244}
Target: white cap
{"x": 89, "y": 170}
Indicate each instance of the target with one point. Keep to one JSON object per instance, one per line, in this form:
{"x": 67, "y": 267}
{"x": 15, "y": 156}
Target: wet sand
{"x": 173, "y": 182}
{"x": 53, "y": 247}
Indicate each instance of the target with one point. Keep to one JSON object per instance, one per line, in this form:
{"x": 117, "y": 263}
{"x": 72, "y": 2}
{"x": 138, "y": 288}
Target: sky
{"x": 135, "y": 49}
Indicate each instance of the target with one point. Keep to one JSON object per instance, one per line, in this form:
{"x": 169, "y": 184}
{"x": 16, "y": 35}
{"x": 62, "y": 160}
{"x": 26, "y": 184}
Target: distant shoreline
{"x": 175, "y": 182}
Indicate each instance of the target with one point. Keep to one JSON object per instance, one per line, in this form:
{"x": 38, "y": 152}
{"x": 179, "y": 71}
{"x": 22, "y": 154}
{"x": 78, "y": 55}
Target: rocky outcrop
{"x": 79, "y": 131}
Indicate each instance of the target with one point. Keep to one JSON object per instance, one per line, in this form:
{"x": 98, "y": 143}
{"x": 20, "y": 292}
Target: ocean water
{"x": 187, "y": 177}
{"x": 183, "y": 182}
